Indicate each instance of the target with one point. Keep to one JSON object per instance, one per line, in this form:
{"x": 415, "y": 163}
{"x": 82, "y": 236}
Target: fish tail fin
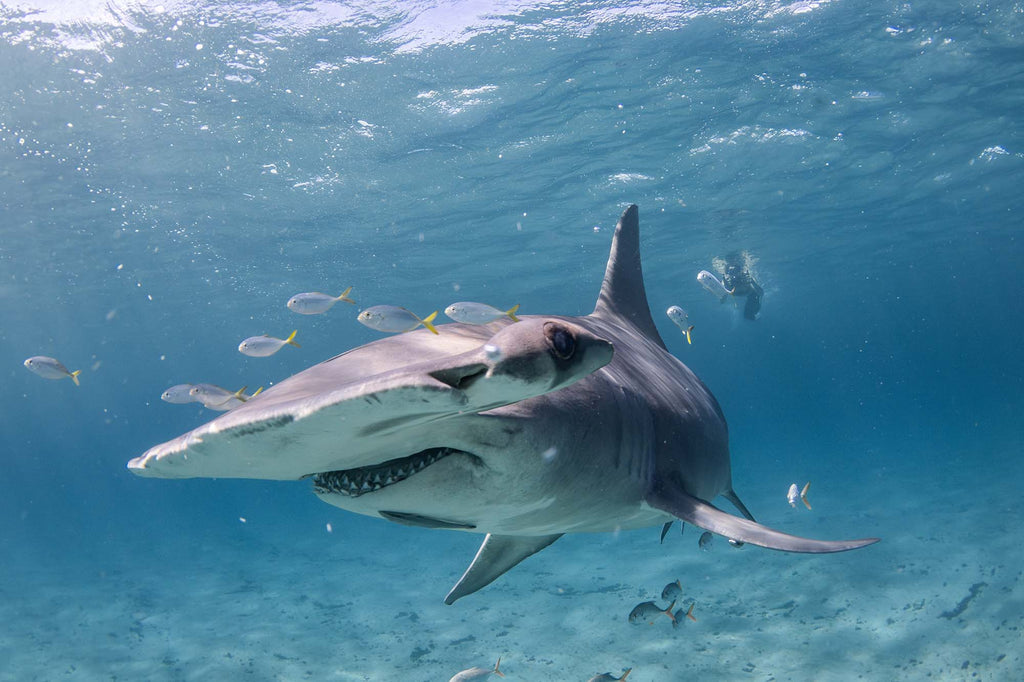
{"x": 74, "y": 376}
{"x": 258, "y": 391}
{"x": 511, "y": 312}
{"x": 240, "y": 394}
{"x": 344, "y": 296}
{"x": 625, "y": 674}
{"x": 668, "y": 611}
{"x": 687, "y": 332}
{"x": 689, "y": 612}
{"x": 496, "y": 671}
{"x": 803, "y": 495}
{"x": 428, "y": 320}
{"x": 291, "y": 339}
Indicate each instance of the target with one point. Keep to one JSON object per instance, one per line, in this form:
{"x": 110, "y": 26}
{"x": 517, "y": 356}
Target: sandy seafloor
{"x": 938, "y": 598}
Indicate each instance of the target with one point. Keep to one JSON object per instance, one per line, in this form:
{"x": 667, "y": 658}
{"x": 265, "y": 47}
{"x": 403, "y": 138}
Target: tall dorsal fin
{"x": 622, "y": 292}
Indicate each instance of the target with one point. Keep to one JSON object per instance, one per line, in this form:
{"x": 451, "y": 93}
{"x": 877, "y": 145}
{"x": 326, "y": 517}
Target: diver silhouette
{"x": 738, "y": 278}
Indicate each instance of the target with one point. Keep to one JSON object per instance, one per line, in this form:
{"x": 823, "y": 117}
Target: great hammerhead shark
{"x": 521, "y": 430}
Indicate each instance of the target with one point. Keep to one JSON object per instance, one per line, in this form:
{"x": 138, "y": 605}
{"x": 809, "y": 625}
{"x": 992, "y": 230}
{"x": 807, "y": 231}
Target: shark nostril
{"x": 460, "y": 378}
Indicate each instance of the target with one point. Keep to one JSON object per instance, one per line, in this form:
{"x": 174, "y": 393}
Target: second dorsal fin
{"x": 622, "y": 292}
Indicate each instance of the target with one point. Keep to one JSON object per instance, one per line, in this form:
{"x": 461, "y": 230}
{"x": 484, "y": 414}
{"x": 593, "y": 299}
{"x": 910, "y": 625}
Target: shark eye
{"x": 562, "y": 341}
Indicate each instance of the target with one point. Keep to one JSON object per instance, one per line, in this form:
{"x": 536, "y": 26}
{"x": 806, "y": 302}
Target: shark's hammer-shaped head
{"x": 378, "y": 412}
{"x": 452, "y": 471}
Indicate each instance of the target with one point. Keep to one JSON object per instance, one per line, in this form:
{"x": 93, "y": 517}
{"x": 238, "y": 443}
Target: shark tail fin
{"x": 709, "y": 517}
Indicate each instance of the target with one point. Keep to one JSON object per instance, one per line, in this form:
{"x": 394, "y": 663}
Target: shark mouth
{"x": 356, "y": 482}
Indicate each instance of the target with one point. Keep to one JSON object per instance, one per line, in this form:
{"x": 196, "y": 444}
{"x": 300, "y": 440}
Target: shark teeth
{"x": 356, "y": 482}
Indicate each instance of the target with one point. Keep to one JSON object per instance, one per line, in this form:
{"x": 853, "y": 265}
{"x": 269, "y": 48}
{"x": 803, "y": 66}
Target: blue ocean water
{"x": 171, "y": 173}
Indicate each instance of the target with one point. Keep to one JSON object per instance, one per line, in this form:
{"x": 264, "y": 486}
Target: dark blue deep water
{"x": 171, "y": 173}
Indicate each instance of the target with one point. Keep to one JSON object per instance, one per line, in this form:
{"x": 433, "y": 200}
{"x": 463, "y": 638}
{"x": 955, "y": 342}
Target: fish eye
{"x": 562, "y": 341}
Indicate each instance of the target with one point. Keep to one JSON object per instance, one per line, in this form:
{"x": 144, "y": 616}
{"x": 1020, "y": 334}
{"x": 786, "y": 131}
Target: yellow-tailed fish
{"x": 712, "y": 284}
{"x": 679, "y": 316}
{"x": 648, "y": 611}
{"x": 607, "y": 677}
{"x": 477, "y": 673}
{"x": 264, "y": 346}
{"x": 314, "y": 302}
{"x": 179, "y": 394}
{"x": 673, "y": 591}
{"x": 468, "y": 312}
{"x": 680, "y": 615}
{"x": 393, "y": 318}
{"x": 795, "y": 494}
{"x": 51, "y": 368}
{"x": 221, "y": 399}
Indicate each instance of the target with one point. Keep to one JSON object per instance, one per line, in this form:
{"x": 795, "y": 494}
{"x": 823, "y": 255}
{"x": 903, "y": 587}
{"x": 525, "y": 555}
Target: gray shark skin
{"x": 523, "y": 431}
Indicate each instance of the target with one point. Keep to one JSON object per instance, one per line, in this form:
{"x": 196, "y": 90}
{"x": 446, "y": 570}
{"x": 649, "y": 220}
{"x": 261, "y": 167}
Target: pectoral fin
{"x": 709, "y": 517}
{"x": 497, "y": 554}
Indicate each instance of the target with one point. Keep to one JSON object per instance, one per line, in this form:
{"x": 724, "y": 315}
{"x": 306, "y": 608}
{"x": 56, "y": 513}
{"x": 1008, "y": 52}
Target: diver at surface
{"x": 737, "y": 276}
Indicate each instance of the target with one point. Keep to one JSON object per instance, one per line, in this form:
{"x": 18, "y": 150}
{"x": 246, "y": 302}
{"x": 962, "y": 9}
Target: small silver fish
{"x": 179, "y": 394}
{"x": 679, "y": 316}
{"x": 220, "y": 399}
{"x": 314, "y": 303}
{"x": 264, "y": 346}
{"x": 393, "y": 318}
{"x": 712, "y": 284}
{"x": 794, "y": 494}
{"x": 607, "y": 677}
{"x": 478, "y": 313}
{"x": 236, "y": 400}
{"x": 672, "y": 591}
{"x": 706, "y": 540}
{"x": 51, "y": 368}
{"x": 680, "y": 616}
{"x": 648, "y": 611}
{"x": 477, "y": 673}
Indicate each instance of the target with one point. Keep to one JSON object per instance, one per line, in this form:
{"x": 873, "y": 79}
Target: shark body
{"x": 521, "y": 430}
